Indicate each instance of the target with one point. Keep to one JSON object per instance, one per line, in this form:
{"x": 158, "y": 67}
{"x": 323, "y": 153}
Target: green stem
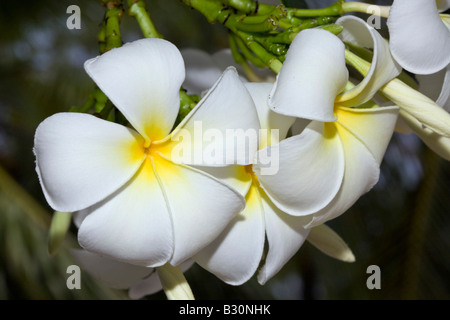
{"x": 237, "y": 56}
{"x": 361, "y": 65}
{"x": 102, "y": 38}
{"x": 382, "y": 11}
{"x": 113, "y": 16}
{"x": 248, "y": 54}
{"x": 269, "y": 59}
{"x": 333, "y": 10}
{"x": 100, "y": 100}
{"x": 136, "y": 8}
{"x": 187, "y": 103}
{"x": 250, "y": 6}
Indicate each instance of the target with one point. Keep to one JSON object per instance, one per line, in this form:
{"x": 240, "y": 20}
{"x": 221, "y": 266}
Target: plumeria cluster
{"x": 252, "y": 169}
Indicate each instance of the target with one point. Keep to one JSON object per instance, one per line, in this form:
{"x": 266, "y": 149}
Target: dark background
{"x": 402, "y": 225}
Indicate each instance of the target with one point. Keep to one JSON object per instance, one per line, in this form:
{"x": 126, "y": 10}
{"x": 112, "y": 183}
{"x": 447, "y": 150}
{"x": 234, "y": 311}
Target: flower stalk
{"x": 174, "y": 283}
{"x": 136, "y": 8}
{"x": 113, "y": 17}
{"x": 382, "y": 11}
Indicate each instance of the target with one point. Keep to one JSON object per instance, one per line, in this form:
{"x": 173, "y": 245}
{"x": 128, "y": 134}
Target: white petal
{"x": 329, "y": 242}
{"x": 373, "y": 127}
{"x": 237, "y": 177}
{"x": 201, "y": 70}
{"x": 419, "y": 106}
{"x": 310, "y": 170}
{"x": 152, "y": 284}
{"x": 383, "y": 67}
{"x": 221, "y": 130}
{"x": 81, "y": 159}
{"x": 437, "y": 143}
{"x": 361, "y": 174}
{"x": 419, "y": 40}
{"x": 312, "y": 75}
{"x": 285, "y": 235}
{"x": 201, "y": 206}
{"x": 235, "y": 255}
{"x": 113, "y": 273}
{"x": 142, "y": 79}
{"x": 133, "y": 225}
{"x": 276, "y": 125}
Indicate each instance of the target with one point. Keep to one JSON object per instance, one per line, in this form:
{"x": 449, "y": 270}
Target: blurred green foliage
{"x": 402, "y": 225}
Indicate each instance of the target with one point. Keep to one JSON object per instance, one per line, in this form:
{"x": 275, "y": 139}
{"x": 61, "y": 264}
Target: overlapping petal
{"x": 201, "y": 206}
{"x": 383, "y": 67}
{"x": 362, "y": 160}
{"x": 285, "y": 235}
{"x": 311, "y": 168}
{"x": 133, "y": 225}
{"x": 142, "y": 79}
{"x": 302, "y": 89}
{"x": 235, "y": 176}
{"x": 221, "y": 130}
{"x": 373, "y": 127}
{"x": 81, "y": 159}
{"x": 419, "y": 40}
{"x": 235, "y": 255}
{"x": 274, "y": 126}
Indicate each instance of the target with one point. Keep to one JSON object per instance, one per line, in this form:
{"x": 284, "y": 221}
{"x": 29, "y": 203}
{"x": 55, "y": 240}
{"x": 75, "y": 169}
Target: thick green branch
{"x": 136, "y": 8}
{"x": 113, "y": 16}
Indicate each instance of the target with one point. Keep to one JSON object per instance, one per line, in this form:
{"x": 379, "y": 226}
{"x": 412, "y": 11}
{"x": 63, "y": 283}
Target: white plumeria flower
{"x": 236, "y": 254}
{"x": 419, "y": 38}
{"x": 337, "y": 156}
{"x": 137, "y": 205}
{"x": 139, "y": 281}
{"x": 430, "y": 120}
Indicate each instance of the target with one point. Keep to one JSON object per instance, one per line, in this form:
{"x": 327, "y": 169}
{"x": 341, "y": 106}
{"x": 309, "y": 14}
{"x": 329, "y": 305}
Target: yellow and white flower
{"x": 136, "y": 204}
{"x": 237, "y": 253}
{"x": 336, "y": 158}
